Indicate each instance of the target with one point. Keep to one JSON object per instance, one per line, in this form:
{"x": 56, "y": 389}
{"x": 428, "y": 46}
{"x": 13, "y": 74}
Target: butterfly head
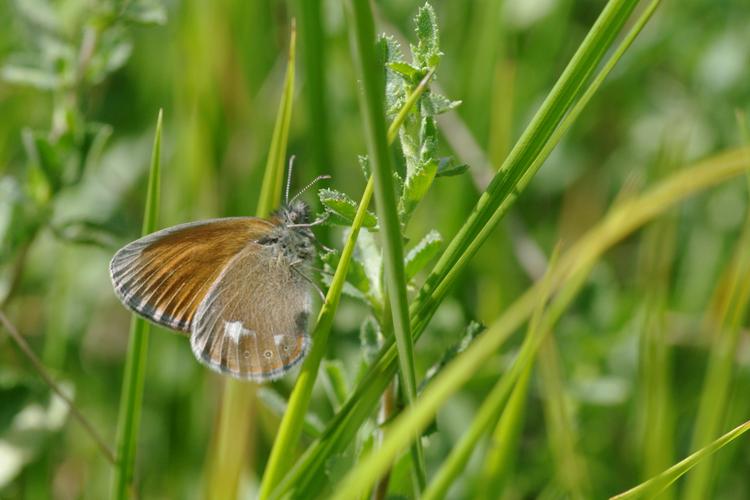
{"x": 292, "y": 236}
{"x": 297, "y": 212}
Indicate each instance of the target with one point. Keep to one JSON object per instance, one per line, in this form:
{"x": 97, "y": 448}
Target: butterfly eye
{"x": 268, "y": 354}
{"x": 246, "y": 354}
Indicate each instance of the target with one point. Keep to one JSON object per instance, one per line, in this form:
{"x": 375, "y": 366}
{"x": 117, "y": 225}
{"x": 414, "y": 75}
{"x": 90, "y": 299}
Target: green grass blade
{"x": 657, "y": 484}
{"x": 131, "y": 396}
{"x": 491, "y": 408}
{"x": 291, "y": 424}
{"x": 732, "y": 297}
{"x": 656, "y": 414}
{"x": 504, "y": 440}
{"x": 365, "y": 396}
{"x": 628, "y": 216}
{"x": 570, "y": 466}
{"x": 273, "y": 178}
{"x": 362, "y": 36}
{"x": 229, "y": 453}
{"x": 510, "y": 385}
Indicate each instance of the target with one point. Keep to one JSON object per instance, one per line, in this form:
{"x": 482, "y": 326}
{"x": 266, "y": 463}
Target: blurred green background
{"x": 216, "y": 68}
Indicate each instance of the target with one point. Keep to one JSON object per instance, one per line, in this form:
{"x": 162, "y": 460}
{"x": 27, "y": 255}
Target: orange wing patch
{"x": 164, "y": 276}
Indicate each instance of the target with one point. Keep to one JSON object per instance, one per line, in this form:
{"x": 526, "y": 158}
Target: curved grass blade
{"x": 131, "y": 398}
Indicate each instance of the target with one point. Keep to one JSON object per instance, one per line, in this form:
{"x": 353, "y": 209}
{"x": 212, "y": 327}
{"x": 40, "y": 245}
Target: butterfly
{"x": 236, "y": 285}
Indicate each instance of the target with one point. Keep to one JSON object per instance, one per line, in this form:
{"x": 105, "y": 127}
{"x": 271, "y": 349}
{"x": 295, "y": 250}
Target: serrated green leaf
{"x": 417, "y": 185}
{"x": 395, "y": 93}
{"x": 356, "y": 276}
{"x": 447, "y": 167}
{"x": 369, "y": 254}
{"x": 343, "y": 206}
{"x": 433, "y": 104}
{"x": 427, "y": 52}
{"x": 422, "y": 253}
{"x": 428, "y": 137}
{"x": 312, "y": 425}
{"x": 370, "y": 338}
{"x": 406, "y": 70}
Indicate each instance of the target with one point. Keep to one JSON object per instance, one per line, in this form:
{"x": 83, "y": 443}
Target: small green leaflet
{"x": 345, "y": 208}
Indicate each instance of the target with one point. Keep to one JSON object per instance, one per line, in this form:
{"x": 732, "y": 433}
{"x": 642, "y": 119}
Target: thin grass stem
{"x": 362, "y": 37}
{"x": 657, "y": 484}
{"x": 131, "y": 398}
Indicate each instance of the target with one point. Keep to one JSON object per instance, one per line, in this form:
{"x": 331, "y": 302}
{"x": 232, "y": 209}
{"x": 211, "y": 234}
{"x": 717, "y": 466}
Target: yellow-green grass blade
{"x": 570, "y": 466}
{"x": 131, "y": 396}
{"x": 657, "y": 484}
{"x": 372, "y": 104}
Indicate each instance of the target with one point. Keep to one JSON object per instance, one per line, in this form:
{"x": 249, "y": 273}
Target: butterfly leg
{"x": 324, "y": 247}
{"x": 311, "y": 281}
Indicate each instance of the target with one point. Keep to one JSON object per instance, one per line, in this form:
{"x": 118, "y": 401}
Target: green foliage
{"x": 343, "y": 208}
{"x": 581, "y": 395}
{"x": 419, "y": 134}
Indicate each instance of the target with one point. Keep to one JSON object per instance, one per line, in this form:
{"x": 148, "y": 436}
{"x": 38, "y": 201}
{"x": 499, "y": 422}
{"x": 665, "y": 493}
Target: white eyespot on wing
{"x": 235, "y": 330}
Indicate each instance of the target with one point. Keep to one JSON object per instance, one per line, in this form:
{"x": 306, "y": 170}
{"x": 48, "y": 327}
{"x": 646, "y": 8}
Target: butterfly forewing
{"x": 252, "y": 322}
{"x": 166, "y": 275}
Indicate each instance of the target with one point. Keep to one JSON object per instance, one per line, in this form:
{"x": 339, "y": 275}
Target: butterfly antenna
{"x": 288, "y": 179}
{"x": 318, "y": 178}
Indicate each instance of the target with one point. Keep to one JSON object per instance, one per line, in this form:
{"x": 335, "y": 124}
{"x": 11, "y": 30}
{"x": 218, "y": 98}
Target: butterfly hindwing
{"x": 165, "y": 276}
{"x": 252, "y": 322}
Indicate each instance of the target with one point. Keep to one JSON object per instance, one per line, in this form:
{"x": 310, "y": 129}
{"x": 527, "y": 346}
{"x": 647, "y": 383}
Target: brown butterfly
{"x": 236, "y": 285}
